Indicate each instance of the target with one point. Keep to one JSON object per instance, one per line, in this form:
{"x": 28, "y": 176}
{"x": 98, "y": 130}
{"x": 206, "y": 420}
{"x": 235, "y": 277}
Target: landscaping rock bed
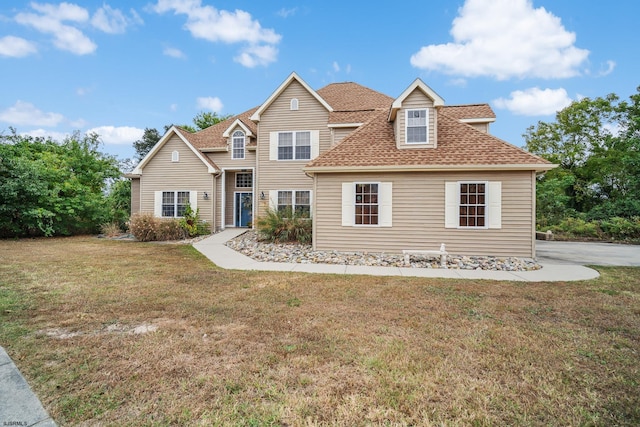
{"x": 248, "y": 244}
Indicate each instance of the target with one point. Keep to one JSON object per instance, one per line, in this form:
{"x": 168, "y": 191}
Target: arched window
{"x": 238, "y": 143}
{"x": 294, "y": 104}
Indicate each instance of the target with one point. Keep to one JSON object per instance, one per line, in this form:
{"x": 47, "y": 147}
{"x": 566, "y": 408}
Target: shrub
{"x": 146, "y": 228}
{"x": 577, "y": 227}
{"x": 170, "y": 229}
{"x": 192, "y": 224}
{"x": 285, "y": 226}
{"x": 622, "y": 228}
{"x": 110, "y": 229}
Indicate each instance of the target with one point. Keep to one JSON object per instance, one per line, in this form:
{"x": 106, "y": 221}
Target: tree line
{"x": 596, "y": 143}
{"x": 50, "y": 188}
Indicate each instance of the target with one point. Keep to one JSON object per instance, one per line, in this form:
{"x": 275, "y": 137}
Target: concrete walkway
{"x": 18, "y": 405}
{"x": 213, "y": 248}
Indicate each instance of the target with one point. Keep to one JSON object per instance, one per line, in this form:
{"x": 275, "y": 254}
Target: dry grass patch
{"x": 113, "y": 332}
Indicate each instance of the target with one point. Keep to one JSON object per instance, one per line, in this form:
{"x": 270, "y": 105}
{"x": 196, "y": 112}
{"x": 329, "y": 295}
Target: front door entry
{"x": 243, "y": 208}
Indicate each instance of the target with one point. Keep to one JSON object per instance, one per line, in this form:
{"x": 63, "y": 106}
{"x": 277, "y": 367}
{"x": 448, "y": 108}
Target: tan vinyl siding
{"x": 135, "y": 195}
{"x": 419, "y": 215}
{"x": 416, "y": 100}
{"x": 188, "y": 174}
{"x": 340, "y": 133}
{"x": 310, "y": 116}
{"x": 482, "y": 127}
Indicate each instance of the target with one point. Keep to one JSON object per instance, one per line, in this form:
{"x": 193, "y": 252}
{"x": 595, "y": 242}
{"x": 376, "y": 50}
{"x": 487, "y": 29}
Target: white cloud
{"x": 42, "y": 133}
{"x": 210, "y": 103}
{"x": 117, "y": 135}
{"x": 252, "y": 56}
{"x": 49, "y": 21}
{"x": 24, "y": 113}
{"x": 336, "y": 66}
{"x": 504, "y": 39}
{"x": 285, "y": 13}
{"x": 173, "y": 107}
{"x": 16, "y": 47}
{"x": 611, "y": 65}
{"x": 535, "y": 101}
{"x": 62, "y": 12}
{"x": 174, "y": 53}
{"x": 110, "y": 20}
{"x": 211, "y": 24}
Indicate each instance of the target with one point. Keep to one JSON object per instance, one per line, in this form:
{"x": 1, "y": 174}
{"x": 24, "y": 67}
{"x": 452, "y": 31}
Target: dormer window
{"x": 294, "y": 104}
{"x": 238, "y": 145}
{"x": 416, "y": 126}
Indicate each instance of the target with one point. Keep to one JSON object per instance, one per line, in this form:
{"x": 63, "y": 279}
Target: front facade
{"x": 375, "y": 173}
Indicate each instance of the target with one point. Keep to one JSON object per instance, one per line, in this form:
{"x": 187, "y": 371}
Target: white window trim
{"x": 273, "y": 145}
{"x": 273, "y": 198}
{"x": 294, "y": 104}
{"x": 175, "y": 156}
{"x": 493, "y": 205}
{"x": 244, "y": 145}
{"x": 406, "y": 126}
{"x": 385, "y": 204}
{"x": 157, "y": 208}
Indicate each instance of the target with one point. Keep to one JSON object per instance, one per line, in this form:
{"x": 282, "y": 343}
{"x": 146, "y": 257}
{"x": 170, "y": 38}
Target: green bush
{"x": 615, "y": 228}
{"x": 285, "y": 225}
{"x": 621, "y": 228}
{"x": 577, "y": 227}
{"x": 192, "y": 224}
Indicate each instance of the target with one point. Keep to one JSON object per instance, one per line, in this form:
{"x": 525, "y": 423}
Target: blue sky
{"x": 114, "y": 69}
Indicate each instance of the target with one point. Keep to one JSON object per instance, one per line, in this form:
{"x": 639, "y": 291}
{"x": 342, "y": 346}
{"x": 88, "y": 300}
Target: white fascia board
{"x": 479, "y": 120}
{"x": 237, "y": 122}
{"x": 293, "y": 76}
{"x": 344, "y": 125}
{"x": 160, "y": 144}
{"x": 438, "y": 101}
{"x": 428, "y": 168}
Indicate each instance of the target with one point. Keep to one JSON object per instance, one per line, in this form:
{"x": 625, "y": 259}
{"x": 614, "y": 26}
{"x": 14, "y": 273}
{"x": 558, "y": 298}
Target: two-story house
{"x": 374, "y": 173}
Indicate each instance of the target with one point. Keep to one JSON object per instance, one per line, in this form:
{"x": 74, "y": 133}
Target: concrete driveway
{"x": 583, "y": 253}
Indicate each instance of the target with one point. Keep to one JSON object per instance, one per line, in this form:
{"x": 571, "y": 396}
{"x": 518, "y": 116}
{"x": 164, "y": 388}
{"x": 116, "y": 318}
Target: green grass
{"x": 247, "y": 348}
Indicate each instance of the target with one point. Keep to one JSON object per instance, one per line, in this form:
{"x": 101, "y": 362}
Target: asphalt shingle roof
{"x": 373, "y": 144}
{"x": 211, "y": 137}
{"x": 470, "y": 111}
{"x": 350, "y": 96}
{"x": 458, "y": 144}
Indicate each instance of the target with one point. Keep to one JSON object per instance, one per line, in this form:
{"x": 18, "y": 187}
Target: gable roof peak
{"x": 438, "y": 101}
{"x": 293, "y": 76}
{"x": 417, "y": 84}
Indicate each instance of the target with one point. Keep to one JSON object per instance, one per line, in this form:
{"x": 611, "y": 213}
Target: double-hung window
{"x": 174, "y": 203}
{"x": 366, "y": 204}
{"x": 473, "y": 206}
{"x": 416, "y": 126}
{"x": 294, "y": 145}
{"x": 238, "y": 145}
{"x": 299, "y": 201}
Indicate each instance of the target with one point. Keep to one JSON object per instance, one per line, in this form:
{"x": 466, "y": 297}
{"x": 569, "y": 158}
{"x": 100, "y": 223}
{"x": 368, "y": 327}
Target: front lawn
{"x": 127, "y": 333}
